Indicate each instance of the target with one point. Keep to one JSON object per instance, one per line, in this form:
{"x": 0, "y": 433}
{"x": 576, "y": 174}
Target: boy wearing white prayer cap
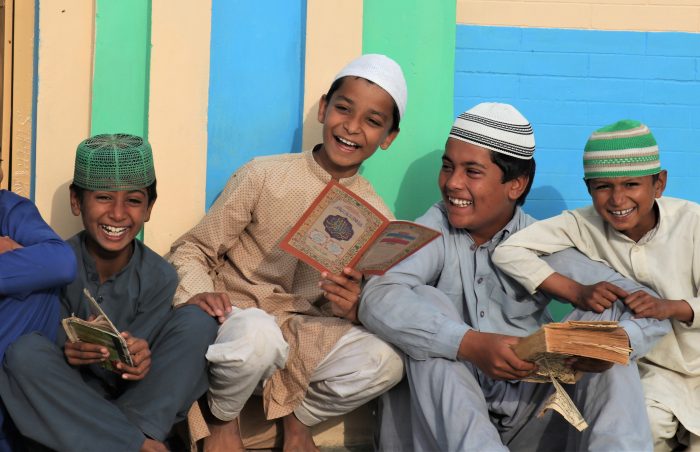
{"x": 285, "y": 329}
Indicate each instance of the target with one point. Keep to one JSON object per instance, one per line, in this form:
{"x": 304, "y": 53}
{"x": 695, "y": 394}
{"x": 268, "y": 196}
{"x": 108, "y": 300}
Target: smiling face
{"x": 356, "y": 120}
{"x": 111, "y": 219}
{"x": 474, "y": 194}
{"x": 627, "y": 203}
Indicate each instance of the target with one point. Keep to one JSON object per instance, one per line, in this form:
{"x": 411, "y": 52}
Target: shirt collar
{"x": 322, "y": 174}
{"x": 89, "y": 261}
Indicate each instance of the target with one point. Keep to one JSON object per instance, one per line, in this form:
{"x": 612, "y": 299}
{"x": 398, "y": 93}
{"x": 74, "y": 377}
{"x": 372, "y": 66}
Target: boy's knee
{"x": 389, "y": 363}
{"x": 23, "y": 358}
{"x": 250, "y": 339}
{"x": 192, "y": 320}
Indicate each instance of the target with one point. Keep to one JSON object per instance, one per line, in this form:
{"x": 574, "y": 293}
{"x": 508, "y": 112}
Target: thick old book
{"x": 100, "y": 331}
{"x": 340, "y": 230}
{"x": 554, "y": 342}
{"x": 549, "y": 347}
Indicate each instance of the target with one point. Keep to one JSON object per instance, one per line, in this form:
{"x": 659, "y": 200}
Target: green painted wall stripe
{"x": 121, "y": 73}
{"x": 425, "y": 49}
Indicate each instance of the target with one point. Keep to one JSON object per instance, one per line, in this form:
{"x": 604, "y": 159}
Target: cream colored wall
{"x": 63, "y": 104}
{"x": 22, "y": 84}
{"x": 634, "y": 15}
{"x": 179, "y": 84}
{"x": 330, "y": 45}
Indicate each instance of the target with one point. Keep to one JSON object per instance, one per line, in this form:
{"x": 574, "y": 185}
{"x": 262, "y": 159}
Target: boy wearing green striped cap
{"x": 646, "y": 237}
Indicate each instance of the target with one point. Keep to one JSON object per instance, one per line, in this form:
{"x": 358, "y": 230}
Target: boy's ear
{"x": 517, "y": 186}
{"x": 660, "y": 184}
{"x": 322, "y": 106}
{"x": 389, "y": 139}
{"x": 74, "y": 203}
{"x": 148, "y": 211}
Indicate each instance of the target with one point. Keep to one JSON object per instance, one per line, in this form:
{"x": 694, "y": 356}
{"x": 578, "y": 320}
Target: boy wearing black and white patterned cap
{"x": 457, "y": 316}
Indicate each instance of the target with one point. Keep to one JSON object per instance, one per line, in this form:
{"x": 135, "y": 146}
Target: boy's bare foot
{"x": 225, "y": 437}
{"x": 151, "y": 445}
{"x": 297, "y": 436}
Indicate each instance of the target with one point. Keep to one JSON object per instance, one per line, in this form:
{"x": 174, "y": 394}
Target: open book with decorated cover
{"x": 340, "y": 230}
{"x": 100, "y": 331}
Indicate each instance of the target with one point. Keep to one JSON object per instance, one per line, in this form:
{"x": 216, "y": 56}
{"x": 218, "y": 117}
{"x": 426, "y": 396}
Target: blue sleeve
{"x": 44, "y": 262}
{"x": 643, "y": 333}
{"x": 391, "y": 308}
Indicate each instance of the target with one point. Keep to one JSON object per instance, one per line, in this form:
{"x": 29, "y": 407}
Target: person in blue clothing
{"x": 58, "y": 394}
{"x": 34, "y": 264}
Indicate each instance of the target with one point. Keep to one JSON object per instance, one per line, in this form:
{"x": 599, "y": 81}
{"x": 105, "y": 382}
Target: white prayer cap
{"x": 498, "y": 127}
{"x": 383, "y": 71}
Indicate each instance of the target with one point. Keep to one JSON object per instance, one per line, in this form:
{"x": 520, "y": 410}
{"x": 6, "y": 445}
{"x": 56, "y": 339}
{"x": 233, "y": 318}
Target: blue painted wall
{"x": 255, "y": 85}
{"x": 571, "y": 82}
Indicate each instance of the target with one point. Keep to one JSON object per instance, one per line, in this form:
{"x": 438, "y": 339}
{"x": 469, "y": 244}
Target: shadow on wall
{"x": 419, "y": 187}
{"x": 62, "y": 219}
{"x": 312, "y": 130}
{"x": 544, "y": 202}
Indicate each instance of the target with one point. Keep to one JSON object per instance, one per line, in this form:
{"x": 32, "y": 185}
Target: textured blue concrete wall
{"x": 571, "y": 82}
{"x": 255, "y": 84}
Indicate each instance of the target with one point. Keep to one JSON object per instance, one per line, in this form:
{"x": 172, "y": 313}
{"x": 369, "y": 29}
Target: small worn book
{"x": 100, "y": 331}
{"x": 549, "y": 347}
{"x": 340, "y": 229}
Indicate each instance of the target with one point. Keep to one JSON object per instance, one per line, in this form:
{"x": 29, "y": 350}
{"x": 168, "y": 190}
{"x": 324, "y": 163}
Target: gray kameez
{"x": 427, "y": 303}
{"x": 89, "y": 408}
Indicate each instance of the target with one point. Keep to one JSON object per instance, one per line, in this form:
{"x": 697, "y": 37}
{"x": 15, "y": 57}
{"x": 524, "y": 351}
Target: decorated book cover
{"x": 340, "y": 230}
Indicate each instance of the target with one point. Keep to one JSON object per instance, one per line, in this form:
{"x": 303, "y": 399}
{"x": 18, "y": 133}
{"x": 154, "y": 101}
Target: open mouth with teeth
{"x": 346, "y": 143}
{"x": 459, "y": 202}
{"x": 113, "y": 231}
{"x": 621, "y": 213}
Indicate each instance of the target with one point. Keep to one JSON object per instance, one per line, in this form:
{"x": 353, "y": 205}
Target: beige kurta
{"x": 234, "y": 249}
{"x": 667, "y": 260}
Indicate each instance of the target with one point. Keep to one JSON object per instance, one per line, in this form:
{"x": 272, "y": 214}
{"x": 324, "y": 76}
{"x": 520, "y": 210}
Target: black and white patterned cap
{"x": 498, "y": 127}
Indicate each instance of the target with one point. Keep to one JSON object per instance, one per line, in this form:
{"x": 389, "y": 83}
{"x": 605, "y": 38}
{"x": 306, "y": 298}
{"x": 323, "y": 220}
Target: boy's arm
{"x": 519, "y": 255}
{"x": 394, "y": 307}
{"x": 199, "y": 251}
{"x": 43, "y": 260}
{"x": 642, "y": 333}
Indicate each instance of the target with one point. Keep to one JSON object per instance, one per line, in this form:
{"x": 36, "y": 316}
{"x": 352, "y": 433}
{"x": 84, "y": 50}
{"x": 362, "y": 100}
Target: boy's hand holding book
{"x": 493, "y": 354}
{"x": 343, "y": 292}
{"x": 140, "y": 355}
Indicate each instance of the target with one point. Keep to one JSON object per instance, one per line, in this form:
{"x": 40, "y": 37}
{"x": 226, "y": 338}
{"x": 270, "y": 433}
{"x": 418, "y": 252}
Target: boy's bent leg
{"x": 359, "y": 368}
{"x": 178, "y": 374}
{"x": 664, "y": 426}
{"x": 448, "y": 408}
{"x": 248, "y": 349}
{"x": 51, "y": 403}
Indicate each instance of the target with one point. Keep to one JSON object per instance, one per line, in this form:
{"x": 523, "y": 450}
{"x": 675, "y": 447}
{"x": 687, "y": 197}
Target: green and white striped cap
{"x": 623, "y": 149}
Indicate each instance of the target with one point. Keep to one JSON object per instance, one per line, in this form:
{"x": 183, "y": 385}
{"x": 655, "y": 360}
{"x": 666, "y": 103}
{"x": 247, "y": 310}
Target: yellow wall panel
{"x": 66, "y": 36}
{"x": 22, "y": 84}
{"x": 180, "y": 35}
{"x": 330, "y": 45}
{"x": 634, "y": 15}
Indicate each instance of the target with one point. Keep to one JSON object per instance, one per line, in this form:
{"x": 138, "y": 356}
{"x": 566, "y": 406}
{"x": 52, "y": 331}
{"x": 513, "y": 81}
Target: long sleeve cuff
{"x": 448, "y": 339}
{"x": 695, "y": 306}
{"x": 636, "y": 337}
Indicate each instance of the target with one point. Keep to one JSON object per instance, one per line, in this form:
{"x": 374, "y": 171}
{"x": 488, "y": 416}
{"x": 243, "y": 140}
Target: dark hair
{"x": 151, "y": 192}
{"x": 335, "y": 86}
{"x": 513, "y": 168}
{"x": 654, "y": 178}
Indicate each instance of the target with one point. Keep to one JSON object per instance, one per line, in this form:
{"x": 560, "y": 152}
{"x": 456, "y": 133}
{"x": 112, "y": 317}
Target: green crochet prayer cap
{"x": 623, "y": 149}
{"x": 114, "y": 162}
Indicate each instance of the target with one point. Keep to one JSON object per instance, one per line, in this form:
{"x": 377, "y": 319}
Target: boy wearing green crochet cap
{"x": 645, "y": 237}
{"x": 59, "y": 395}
